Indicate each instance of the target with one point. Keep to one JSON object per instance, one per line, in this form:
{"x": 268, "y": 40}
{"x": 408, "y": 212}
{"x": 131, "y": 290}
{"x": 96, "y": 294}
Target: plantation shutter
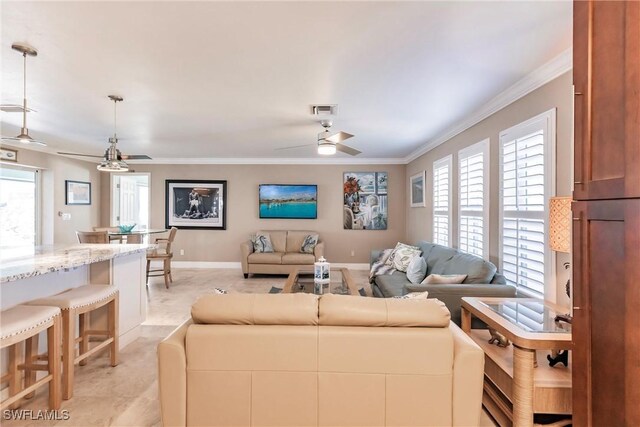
{"x": 473, "y": 180}
{"x": 442, "y": 201}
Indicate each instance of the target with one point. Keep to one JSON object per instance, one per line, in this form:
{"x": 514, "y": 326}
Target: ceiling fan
{"x": 23, "y": 137}
{"x": 113, "y": 160}
{"x": 329, "y": 142}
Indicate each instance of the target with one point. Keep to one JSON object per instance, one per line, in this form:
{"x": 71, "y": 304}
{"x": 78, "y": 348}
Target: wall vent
{"x": 324, "y": 109}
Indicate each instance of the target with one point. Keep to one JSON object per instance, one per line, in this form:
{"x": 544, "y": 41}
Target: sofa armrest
{"x": 468, "y": 374}
{"x": 172, "y": 377}
{"x": 318, "y": 251}
{"x": 246, "y": 249}
{"x": 374, "y": 256}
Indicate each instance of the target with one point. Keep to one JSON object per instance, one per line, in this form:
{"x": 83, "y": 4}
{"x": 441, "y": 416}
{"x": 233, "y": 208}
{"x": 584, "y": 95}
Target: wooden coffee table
{"x": 515, "y": 390}
{"x": 301, "y": 280}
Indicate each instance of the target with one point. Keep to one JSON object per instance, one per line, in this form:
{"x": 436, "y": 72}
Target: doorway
{"x": 130, "y": 199}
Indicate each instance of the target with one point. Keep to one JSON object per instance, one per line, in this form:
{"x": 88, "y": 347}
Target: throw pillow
{"x": 444, "y": 279}
{"x": 417, "y": 269}
{"x": 261, "y": 243}
{"x": 402, "y": 255}
{"x": 309, "y": 244}
{"x": 414, "y": 295}
{"x": 218, "y": 291}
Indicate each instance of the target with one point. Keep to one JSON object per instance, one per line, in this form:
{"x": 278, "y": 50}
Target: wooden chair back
{"x": 171, "y": 238}
{"x": 92, "y": 236}
{"x": 134, "y": 239}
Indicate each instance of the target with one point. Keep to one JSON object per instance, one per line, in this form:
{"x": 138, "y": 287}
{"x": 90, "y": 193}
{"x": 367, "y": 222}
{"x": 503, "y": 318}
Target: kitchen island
{"x": 49, "y": 270}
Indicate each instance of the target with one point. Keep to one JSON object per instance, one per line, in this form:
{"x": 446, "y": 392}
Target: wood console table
{"x": 515, "y": 390}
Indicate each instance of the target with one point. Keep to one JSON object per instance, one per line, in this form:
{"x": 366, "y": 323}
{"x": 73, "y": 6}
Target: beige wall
{"x": 555, "y": 94}
{"x": 242, "y": 209}
{"x": 55, "y": 170}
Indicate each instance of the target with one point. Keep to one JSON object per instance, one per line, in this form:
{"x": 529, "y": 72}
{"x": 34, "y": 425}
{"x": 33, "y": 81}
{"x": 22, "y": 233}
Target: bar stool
{"x": 80, "y": 302}
{"x": 24, "y": 323}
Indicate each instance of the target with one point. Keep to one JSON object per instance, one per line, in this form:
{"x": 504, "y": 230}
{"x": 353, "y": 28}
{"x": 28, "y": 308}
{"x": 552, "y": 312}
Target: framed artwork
{"x": 8, "y": 155}
{"x": 196, "y": 204}
{"x": 288, "y": 201}
{"x": 365, "y": 200}
{"x": 417, "y": 187}
{"x": 77, "y": 193}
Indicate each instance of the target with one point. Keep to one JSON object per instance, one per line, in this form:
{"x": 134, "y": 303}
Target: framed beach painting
{"x": 417, "y": 187}
{"x": 77, "y": 193}
{"x": 196, "y": 204}
{"x": 287, "y": 201}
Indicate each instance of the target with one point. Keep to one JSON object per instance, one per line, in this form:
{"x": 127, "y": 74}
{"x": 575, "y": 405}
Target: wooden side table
{"x": 514, "y": 389}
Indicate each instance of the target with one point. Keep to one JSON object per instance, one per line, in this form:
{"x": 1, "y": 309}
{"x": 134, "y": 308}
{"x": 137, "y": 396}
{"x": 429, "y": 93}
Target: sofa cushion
{"x": 278, "y": 239}
{"x": 298, "y": 259}
{"x": 478, "y": 270}
{"x": 256, "y": 309}
{"x": 417, "y": 269}
{"x": 392, "y": 285}
{"x": 295, "y": 239}
{"x": 261, "y": 243}
{"x": 439, "y": 279}
{"x": 438, "y": 256}
{"x": 346, "y": 310}
{"x": 265, "y": 258}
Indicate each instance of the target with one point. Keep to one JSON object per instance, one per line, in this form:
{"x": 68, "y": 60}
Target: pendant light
{"x": 24, "y": 137}
{"x": 112, "y": 161}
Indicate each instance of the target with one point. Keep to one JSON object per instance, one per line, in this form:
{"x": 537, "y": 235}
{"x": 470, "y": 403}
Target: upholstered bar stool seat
{"x": 80, "y": 302}
{"x": 24, "y": 323}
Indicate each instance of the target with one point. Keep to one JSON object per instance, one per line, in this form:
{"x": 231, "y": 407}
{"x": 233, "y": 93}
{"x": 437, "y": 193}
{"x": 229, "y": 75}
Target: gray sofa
{"x": 482, "y": 280}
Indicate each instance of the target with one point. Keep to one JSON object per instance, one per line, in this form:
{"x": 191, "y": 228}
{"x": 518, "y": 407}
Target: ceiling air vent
{"x": 324, "y": 110}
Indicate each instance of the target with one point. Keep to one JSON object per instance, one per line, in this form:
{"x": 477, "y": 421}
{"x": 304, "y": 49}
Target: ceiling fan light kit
{"x": 113, "y": 166}
{"x": 24, "y": 137}
{"x": 326, "y": 148}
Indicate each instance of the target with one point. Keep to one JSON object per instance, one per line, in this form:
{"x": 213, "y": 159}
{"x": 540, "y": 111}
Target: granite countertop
{"x": 16, "y": 265}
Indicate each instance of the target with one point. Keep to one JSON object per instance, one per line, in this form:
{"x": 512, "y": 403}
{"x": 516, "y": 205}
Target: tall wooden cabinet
{"x": 606, "y": 214}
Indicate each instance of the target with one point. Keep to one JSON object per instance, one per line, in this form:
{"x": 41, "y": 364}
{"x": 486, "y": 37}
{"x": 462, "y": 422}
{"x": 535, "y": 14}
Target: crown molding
{"x": 539, "y": 77}
{"x": 267, "y": 161}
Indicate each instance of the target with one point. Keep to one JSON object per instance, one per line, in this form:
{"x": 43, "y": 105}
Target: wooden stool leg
{"x": 30, "y": 356}
{"x": 84, "y": 340}
{"x": 166, "y": 273}
{"x": 54, "y": 339}
{"x": 113, "y": 330}
{"x": 15, "y": 376}
{"x": 68, "y": 352}
{"x": 148, "y": 268}
{"x": 170, "y": 277}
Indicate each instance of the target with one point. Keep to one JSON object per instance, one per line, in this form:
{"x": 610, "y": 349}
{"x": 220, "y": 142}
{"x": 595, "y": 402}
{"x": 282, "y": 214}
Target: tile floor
{"x": 127, "y": 394}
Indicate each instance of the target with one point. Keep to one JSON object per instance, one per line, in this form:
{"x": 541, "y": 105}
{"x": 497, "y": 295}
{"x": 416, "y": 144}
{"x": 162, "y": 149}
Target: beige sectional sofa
{"x": 304, "y": 360}
{"x": 285, "y": 256}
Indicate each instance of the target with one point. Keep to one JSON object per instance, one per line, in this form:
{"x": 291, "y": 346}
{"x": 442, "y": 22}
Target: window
{"x": 442, "y": 201}
{"x": 526, "y": 182}
{"x": 18, "y": 208}
{"x": 473, "y": 173}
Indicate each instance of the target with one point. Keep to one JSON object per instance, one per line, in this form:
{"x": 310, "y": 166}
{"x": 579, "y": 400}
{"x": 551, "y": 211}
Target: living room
{"x": 462, "y": 171}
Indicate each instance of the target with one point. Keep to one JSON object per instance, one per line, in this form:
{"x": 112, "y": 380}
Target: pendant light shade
{"x": 24, "y": 137}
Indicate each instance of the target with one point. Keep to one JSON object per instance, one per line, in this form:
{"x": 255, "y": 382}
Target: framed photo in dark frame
{"x": 196, "y": 204}
{"x": 77, "y": 192}
{"x": 288, "y": 201}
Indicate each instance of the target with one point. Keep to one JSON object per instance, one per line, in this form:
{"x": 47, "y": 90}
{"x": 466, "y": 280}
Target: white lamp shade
{"x": 326, "y": 149}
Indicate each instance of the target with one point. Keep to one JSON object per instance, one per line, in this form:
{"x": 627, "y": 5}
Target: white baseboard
{"x": 237, "y": 265}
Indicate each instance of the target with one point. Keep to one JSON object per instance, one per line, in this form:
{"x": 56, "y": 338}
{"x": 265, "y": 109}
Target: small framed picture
{"x": 8, "y": 155}
{"x": 77, "y": 193}
{"x": 416, "y": 183}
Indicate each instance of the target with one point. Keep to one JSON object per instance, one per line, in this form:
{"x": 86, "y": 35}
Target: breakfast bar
{"x": 51, "y": 269}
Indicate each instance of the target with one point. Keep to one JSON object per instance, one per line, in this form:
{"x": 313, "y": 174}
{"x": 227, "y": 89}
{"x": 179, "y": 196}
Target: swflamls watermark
{"x": 35, "y": 415}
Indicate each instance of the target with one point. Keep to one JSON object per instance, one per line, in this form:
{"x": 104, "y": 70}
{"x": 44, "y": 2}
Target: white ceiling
{"x": 223, "y": 79}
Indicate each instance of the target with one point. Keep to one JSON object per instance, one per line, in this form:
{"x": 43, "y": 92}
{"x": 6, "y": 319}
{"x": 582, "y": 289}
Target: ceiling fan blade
{"x": 295, "y": 146}
{"x": 338, "y": 137}
{"x": 348, "y": 150}
{"x": 81, "y": 155}
{"x": 135, "y": 157}
{"x": 22, "y": 141}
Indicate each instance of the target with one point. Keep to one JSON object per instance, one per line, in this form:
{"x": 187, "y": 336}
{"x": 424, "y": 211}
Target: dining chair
{"x": 113, "y": 229}
{"x": 92, "y": 236}
{"x": 163, "y": 252}
{"x": 134, "y": 238}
